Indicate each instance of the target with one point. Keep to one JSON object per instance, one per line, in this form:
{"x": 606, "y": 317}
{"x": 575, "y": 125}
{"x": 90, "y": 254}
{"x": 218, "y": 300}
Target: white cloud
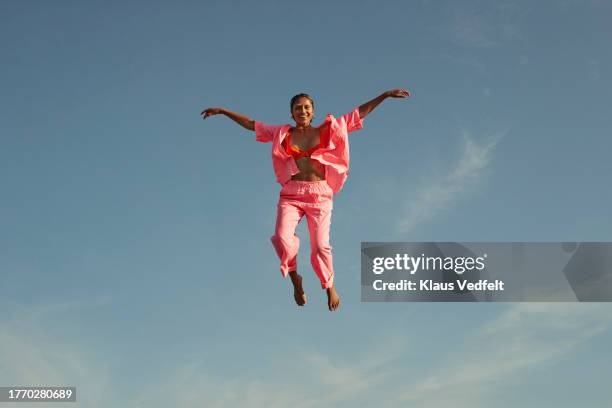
{"x": 473, "y": 30}
{"x": 526, "y": 335}
{"x": 365, "y": 375}
{"x": 487, "y": 27}
{"x": 523, "y": 336}
{"x": 440, "y": 193}
{"x": 304, "y": 378}
{"x": 479, "y": 367}
{"x": 33, "y": 355}
{"x": 195, "y": 385}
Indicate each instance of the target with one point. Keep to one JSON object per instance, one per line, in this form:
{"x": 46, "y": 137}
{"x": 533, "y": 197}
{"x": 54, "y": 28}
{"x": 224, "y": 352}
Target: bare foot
{"x": 298, "y": 291}
{"x": 333, "y": 300}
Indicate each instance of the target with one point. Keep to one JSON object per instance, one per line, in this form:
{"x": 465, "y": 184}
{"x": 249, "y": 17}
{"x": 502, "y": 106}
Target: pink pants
{"x": 313, "y": 199}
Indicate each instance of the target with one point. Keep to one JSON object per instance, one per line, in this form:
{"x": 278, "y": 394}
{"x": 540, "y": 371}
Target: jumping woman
{"x": 311, "y": 163}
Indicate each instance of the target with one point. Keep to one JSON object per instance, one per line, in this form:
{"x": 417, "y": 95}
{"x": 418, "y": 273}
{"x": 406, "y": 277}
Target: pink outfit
{"x": 335, "y": 156}
{"x": 313, "y": 199}
{"x": 310, "y": 198}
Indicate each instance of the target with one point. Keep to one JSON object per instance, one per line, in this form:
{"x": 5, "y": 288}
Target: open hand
{"x": 398, "y": 93}
{"x": 210, "y": 111}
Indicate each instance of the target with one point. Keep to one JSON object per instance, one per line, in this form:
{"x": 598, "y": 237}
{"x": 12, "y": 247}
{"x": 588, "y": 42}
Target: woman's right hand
{"x": 243, "y": 121}
{"x": 211, "y": 111}
{"x": 398, "y": 93}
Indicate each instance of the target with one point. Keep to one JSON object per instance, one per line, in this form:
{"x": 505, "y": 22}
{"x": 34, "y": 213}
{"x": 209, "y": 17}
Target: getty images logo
{"x": 411, "y": 264}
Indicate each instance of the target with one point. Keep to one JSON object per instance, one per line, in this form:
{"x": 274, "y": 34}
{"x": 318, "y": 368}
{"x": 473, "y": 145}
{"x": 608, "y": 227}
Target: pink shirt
{"x": 334, "y": 156}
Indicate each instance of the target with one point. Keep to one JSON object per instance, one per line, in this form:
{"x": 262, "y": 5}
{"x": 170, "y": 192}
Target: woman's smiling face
{"x": 302, "y": 111}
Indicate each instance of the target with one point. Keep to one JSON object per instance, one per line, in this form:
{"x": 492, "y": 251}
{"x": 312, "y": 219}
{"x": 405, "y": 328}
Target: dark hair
{"x": 298, "y": 96}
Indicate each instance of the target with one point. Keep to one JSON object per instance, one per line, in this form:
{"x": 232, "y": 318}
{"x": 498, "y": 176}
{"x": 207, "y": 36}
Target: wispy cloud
{"x": 481, "y": 365}
{"x": 304, "y": 378}
{"x": 36, "y": 313}
{"x": 33, "y": 355}
{"x": 488, "y": 27}
{"x": 527, "y": 335}
{"x": 352, "y": 381}
{"x": 472, "y": 29}
{"x": 521, "y": 337}
{"x": 475, "y": 31}
{"x": 439, "y": 194}
{"x": 196, "y": 385}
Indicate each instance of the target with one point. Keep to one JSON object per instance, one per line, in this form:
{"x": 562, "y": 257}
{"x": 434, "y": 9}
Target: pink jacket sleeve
{"x": 353, "y": 120}
{"x": 264, "y": 133}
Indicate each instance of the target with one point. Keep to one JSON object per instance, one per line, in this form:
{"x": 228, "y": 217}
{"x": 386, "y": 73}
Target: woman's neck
{"x": 302, "y": 128}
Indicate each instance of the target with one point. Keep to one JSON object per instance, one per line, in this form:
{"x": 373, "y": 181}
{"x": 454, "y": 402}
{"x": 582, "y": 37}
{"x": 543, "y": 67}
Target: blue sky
{"x": 134, "y": 237}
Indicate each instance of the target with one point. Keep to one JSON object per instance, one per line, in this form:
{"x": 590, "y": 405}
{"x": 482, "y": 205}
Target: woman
{"x": 311, "y": 163}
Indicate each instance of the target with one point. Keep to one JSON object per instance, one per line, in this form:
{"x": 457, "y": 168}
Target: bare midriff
{"x": 310, "y": 169}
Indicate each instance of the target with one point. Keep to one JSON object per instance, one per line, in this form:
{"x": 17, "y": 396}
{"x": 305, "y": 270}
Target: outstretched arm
{"x": 243, "y": 121}
{"x": 370, "y": 105}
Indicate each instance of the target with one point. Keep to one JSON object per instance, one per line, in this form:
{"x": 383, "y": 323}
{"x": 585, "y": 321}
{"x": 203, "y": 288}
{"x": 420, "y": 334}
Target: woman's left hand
{"x": 398, "y": 93}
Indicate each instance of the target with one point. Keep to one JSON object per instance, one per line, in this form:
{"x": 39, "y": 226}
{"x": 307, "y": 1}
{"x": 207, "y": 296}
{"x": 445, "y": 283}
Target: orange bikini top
{"x": 295, "y": 151}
